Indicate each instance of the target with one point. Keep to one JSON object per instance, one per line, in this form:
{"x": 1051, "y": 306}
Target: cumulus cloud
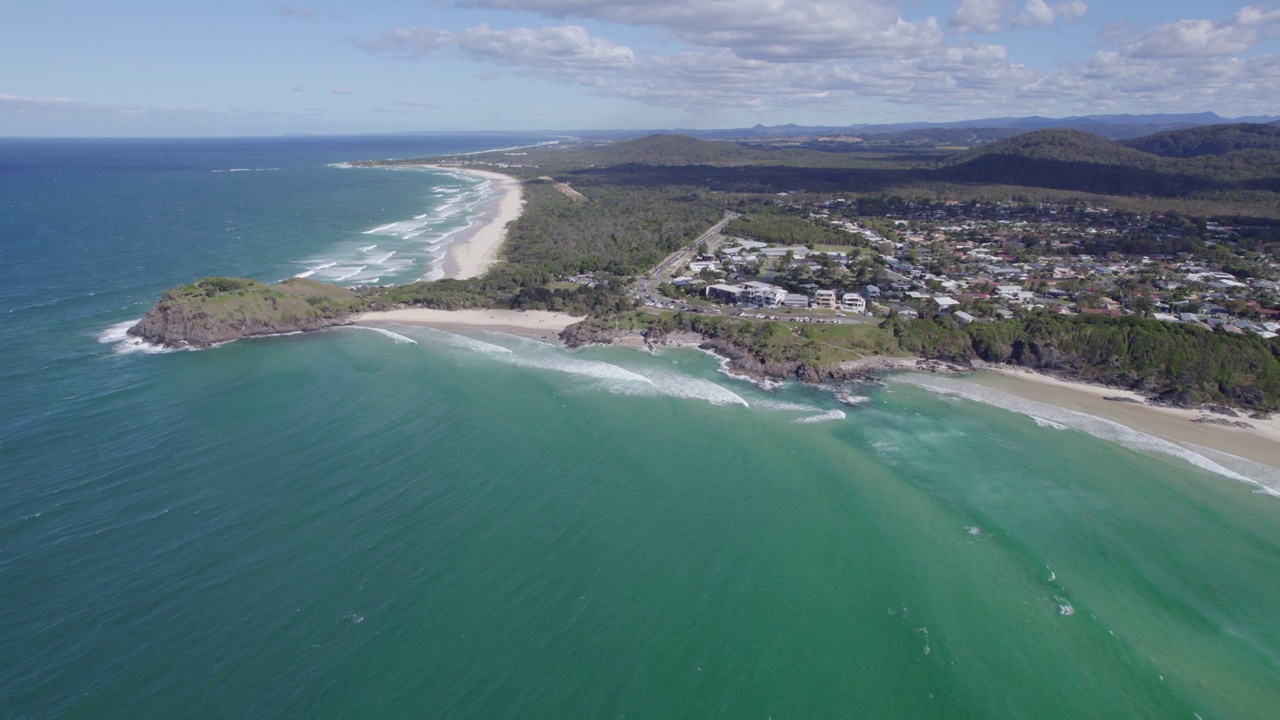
{"x": 780, "y": 30}
{"x": 296, "y": 12}
{"x": 342, "y": 91}
{"x": 1204, "y": 38}
{"x": 780, "y": 57}
{"x": 1038, "y": 13}
{"x": 979, "y": 16}
{"x": 558, "y": 50}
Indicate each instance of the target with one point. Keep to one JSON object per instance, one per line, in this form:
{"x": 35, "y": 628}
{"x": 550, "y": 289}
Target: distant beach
{"x": 477, "y": 249}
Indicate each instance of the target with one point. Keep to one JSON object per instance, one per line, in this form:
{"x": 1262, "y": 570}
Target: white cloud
{"x": 296, "y": 88}
{"x": 780, "y": 30}
{"x": 342, "y": 91}
{"x": 554, "y": 50}
{"x": 979, "y": 16}
{"x": 732, "y": 63}
{"x": 1204, "y": 38}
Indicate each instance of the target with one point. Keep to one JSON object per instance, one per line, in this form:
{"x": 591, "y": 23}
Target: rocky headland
{"x": 217, "y": 310}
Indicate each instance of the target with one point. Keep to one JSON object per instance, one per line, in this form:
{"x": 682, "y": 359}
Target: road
{"x": 645, "y": 289}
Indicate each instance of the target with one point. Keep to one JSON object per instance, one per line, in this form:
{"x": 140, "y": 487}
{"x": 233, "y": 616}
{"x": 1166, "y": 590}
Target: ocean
{"x": 420, "y": 523}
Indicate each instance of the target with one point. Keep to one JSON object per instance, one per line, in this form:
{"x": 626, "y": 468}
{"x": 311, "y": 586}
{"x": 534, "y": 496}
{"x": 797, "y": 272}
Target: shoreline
{"x": 477, "y": 247}
{"x": 540, "y": 324}
{"x": 1259, "y": 443}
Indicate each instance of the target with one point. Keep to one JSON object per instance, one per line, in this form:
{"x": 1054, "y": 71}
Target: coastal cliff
{"x": 217, "y": 310}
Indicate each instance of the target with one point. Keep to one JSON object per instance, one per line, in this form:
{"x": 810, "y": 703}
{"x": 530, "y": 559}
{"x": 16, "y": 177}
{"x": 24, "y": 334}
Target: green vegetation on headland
{"x": 219, "y": 309}
{"x": 1174, "y": 364}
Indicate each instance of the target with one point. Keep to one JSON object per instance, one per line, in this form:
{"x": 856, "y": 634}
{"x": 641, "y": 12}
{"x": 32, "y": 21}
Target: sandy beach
{"x": 529, "y": 323}
{"x": 477, "y": 249}
{"x": 1259, "y": 443}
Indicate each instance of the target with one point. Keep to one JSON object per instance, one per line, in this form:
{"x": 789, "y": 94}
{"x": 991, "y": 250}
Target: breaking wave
{"x": 118, "y": 335}
{"x": 1101, "y": 428}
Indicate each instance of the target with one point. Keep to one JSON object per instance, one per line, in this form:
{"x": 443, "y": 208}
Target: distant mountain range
{"x": 1114, "y": 127}
{"x": 1235, "y": 161}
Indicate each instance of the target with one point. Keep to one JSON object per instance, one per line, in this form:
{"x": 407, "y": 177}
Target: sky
{"x": 244, "y": 67}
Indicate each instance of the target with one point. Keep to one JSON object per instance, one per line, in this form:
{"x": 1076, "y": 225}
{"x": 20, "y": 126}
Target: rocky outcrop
{"x": 179, "y": 326}
{"x": 218, "y": 310}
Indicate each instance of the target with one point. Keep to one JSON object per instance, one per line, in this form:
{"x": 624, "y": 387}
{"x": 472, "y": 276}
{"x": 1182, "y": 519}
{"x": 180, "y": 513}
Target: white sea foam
{"x": 351, "y": 274}
{"x": 379, "y": 229}
{"x": 382, "y": 260}
{"x": 828, "y": 416}
{"x": 118, "y": 335}
{"x": 1095, "y": 426}
{"x": 367, "y": 248}
{"x": 784, "y": 406}
{"x": 465, "y": 342}
{"x": 400, "y": 339}
{"x": 685, "y": 386}
{"x": 1048, "y": 423}
{"x": 1065, "y": 608}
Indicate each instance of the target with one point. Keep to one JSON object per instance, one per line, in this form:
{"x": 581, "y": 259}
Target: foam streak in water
{"x": 1090, "y": 424}
{"x": 400, "y": 339}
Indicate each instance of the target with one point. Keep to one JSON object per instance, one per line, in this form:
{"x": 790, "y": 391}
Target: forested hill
{"x": 1209, "y": 140}
{"x": 677, "y": 150}
{"x": 685, "y": 151}
{"x": 1076, "y": 160}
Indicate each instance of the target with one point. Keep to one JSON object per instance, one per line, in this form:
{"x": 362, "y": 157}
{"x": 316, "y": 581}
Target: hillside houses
{"x": 991, "y": 260}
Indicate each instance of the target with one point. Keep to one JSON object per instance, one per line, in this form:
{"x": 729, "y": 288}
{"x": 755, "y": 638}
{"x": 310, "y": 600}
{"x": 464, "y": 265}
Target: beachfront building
{"x": 763, "y": 294}
{"x": 853, "y": 302}
{"x": 797, "y": 301}
{"x": 731, "y": 294}
{"x": 825, "y": 299}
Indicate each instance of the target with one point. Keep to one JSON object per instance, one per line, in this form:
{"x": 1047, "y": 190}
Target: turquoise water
{"x": 417, "y": 523}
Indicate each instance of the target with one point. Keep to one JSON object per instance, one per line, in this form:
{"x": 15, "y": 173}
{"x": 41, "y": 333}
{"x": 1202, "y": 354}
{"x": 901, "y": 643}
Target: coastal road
{"x": 683, "y": 253}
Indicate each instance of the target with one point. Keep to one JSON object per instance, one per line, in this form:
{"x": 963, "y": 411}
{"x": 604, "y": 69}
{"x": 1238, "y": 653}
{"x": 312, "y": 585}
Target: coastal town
{"x": 980, "y": 262}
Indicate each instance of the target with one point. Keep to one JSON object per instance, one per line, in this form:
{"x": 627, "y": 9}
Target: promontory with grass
{"x": 219, "y": 309}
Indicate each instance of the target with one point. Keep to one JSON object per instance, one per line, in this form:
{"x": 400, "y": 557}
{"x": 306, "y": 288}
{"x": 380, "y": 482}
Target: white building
{"x": 763, "y": 294}
{"x": 825, "y": 299}
{"x": 853, "y": 302}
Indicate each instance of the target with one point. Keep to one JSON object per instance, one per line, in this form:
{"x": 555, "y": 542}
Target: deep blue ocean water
{"x": 427, "y": 524}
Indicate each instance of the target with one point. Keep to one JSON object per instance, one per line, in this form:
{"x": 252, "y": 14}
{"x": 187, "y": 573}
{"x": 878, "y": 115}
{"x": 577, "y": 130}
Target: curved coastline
{"x": 477, "y": 248}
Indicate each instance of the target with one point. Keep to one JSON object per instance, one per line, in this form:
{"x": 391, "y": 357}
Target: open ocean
{"x": 414, "y": 523}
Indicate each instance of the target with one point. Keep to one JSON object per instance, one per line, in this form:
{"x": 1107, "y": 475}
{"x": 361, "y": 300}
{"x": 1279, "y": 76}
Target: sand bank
{"x": 1260, "y": 443}
{"x": 477, "y": 249}
{"x": 536, "y": 323}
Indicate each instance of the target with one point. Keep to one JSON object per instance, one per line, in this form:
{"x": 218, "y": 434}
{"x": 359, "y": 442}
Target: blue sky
{"x": 242, "y": 67}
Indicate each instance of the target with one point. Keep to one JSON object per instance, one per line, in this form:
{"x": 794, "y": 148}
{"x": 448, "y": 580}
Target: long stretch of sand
{"x": 539, "y": 323}
{"x": 1260, "y": 443}
{"x": 474, "y": 251}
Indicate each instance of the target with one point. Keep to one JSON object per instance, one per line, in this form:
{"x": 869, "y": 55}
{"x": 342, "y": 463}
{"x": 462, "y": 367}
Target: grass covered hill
{"x": 219, "y": 309}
